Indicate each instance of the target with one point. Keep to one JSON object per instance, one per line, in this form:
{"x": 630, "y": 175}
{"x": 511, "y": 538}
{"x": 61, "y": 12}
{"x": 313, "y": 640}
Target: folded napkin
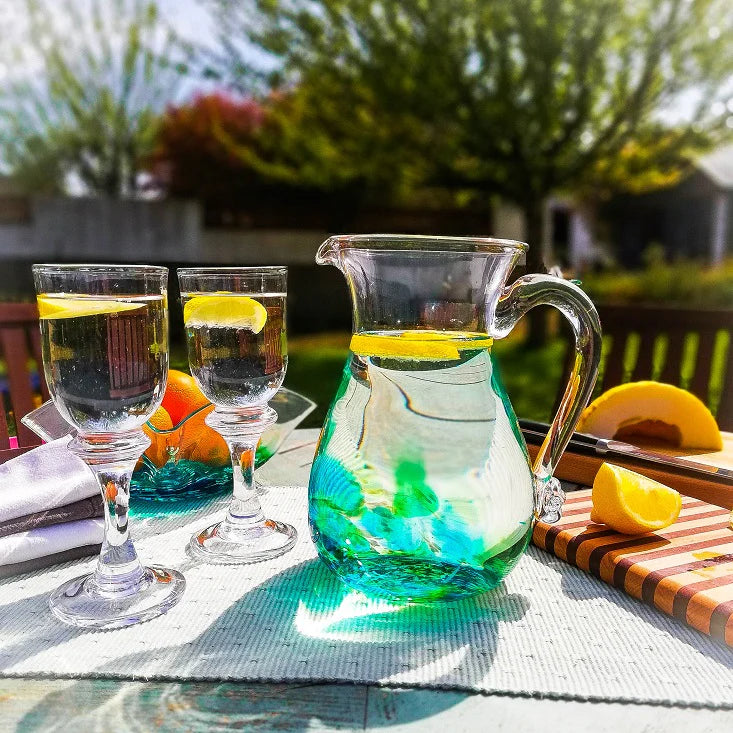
{"x": 47, "y": 542}
{"x": 50, "y": 509}
{"x": 39, "y": 563}
{"x": 82, "y": 509}
{"x": 47, "y": 477}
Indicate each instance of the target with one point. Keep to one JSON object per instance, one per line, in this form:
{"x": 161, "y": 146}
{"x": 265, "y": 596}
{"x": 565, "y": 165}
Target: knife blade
{"x": 604, "y": 447}
{"x": 584, "y": 443}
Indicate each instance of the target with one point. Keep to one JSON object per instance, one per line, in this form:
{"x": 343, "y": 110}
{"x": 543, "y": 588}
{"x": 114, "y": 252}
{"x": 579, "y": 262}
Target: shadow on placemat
{"x": 594, "y": 589}
{"x": 203, "y": 707}
{"x": 305, "y": 613}
{"x": 300, "y": 615}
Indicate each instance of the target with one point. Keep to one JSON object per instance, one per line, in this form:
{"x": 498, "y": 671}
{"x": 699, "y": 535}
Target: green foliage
{"x": 682, "y": 282}
{"x": 85, "y": 83}
{"x": 238, "y": 153}
{"x": 657, "y": 158}
{"x": 512, "y": 97}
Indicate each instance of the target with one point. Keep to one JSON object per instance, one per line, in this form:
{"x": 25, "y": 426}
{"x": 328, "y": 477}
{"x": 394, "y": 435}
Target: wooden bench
{"x": 20, "y": 341}
{"x": 666, "y": 331}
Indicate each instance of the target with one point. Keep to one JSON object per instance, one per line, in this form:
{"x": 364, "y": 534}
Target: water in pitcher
{"x": 421, "y": 488}
{"x": 105, "y": 358}
{"x": 237, "y": 348}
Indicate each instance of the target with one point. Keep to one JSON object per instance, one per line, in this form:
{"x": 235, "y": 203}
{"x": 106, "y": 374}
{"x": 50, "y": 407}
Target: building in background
{"x": 692, "y": 220}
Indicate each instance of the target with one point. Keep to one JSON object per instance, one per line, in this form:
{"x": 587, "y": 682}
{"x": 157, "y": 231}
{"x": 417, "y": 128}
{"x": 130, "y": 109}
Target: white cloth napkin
{"x": 46, "y": 477}
{"x": 44, "y": 541}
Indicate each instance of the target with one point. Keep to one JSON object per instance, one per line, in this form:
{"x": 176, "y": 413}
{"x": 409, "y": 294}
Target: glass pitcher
{"x": 421, "y": 488}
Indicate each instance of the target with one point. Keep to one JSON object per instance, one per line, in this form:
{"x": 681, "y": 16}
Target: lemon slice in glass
{"x": 53, "y": 306}
{"x": 631, "y": 503}
{"x": 225, "y": 311}
{"x": 436, "y": 345}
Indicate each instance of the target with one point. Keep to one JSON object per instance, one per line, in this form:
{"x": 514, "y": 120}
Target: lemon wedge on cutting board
{"x": 652, "y": 410}
{"x": 53, "y": 306}
{"x": 631, "y": 503}
{"x": 227, "y": 311}
{"x": 437, "y": 345}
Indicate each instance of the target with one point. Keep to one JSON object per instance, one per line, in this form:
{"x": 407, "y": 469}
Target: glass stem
{"x": 118, "y": 562}
{"x": 112, "y": 460}
{"x": 244, "y": 508}
{"x": 242, "y": 430}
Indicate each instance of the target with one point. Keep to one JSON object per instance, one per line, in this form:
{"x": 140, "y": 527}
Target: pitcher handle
{"x": 522, "y": 295}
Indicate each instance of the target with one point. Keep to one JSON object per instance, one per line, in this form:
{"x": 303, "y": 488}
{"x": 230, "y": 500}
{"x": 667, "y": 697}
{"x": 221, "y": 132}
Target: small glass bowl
{"x": 191, "y": 461}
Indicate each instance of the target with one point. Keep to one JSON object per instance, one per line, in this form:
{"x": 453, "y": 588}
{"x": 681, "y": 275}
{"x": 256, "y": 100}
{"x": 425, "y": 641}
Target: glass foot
{"x": 229, "y": 545}
{"x": 80, "y": 602}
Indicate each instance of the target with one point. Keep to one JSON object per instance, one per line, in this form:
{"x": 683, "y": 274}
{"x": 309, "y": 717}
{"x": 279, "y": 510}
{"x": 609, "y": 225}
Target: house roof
{"x": 718, "y": 166}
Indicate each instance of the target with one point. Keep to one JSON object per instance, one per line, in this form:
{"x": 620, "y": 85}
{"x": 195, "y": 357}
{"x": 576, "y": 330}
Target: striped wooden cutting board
{"x": 686, "y": 570}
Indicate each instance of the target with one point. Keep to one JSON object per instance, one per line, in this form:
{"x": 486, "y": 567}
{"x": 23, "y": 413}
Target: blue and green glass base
{"x": 403, "y": 577}
{"x": 185, "y": 481}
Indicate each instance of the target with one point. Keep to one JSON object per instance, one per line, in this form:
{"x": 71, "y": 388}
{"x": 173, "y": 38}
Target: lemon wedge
{"x": 228, "y": 311}
{"x": 437, "y": 345}
{"x": 52, "y": 306}
{"x": 631, "y": 503}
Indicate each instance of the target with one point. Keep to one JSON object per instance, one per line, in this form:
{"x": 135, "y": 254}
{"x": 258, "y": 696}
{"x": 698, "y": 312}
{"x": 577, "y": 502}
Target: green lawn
{"x": 531, "y": 376}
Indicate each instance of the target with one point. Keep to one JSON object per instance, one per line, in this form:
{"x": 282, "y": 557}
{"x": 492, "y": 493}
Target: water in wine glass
{"x": 105, "y": 358}
{"x": 237, "y": 349}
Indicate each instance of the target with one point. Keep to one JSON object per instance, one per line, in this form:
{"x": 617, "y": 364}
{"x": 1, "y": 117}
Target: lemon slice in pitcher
{"x": 61, "y": 306}
{"x": 227, "y": 311}
{"x": 436, "y": 345}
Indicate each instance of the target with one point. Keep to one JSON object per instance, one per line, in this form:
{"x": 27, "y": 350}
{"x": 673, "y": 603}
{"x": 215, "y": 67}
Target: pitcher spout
{"x": 327, "y": 253}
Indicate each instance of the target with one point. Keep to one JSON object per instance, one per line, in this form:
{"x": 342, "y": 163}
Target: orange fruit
{"x": 182, "y": 395}
{"x": 158, "y": 450}
{"x": 199, "y": 442}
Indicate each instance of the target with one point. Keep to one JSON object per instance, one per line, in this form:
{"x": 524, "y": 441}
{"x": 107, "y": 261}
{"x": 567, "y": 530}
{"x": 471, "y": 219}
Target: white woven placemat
{"x": 549, "y": 630}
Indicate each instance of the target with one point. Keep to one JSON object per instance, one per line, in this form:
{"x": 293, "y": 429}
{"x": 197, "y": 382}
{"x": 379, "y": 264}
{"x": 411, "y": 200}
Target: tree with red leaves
{"x": 196, "y": 152}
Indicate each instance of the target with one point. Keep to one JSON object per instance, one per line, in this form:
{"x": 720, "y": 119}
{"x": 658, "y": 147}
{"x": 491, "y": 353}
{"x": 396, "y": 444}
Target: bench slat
{"x": 620, "y": 321}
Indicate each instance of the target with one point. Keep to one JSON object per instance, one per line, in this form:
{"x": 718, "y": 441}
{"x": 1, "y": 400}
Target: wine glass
{"x": 237, "y": 350}
{"x": 104, "y": 333}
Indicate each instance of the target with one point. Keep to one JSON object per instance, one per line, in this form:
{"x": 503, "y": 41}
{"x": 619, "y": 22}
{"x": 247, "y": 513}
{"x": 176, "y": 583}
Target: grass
{"x": 315, "y": 364}
{"x": 531, "y": 376}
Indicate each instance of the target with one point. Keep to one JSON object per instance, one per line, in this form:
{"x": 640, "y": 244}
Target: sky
{"x": 190, "y": 19}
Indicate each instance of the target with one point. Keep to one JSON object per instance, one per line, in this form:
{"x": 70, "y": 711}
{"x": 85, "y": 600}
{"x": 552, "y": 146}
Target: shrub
{"x": 684, "y": 282}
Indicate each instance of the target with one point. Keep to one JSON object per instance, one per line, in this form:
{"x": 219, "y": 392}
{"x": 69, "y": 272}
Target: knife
{"x": 580, "y": 442}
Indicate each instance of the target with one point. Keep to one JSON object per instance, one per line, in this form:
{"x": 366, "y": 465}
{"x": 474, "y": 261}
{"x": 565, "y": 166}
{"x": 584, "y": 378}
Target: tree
{"x": 518, "y": 98}
{"x": 85, "y": 82}
{"x": 246, "y": 157}
{"x": 195, "y": 150}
